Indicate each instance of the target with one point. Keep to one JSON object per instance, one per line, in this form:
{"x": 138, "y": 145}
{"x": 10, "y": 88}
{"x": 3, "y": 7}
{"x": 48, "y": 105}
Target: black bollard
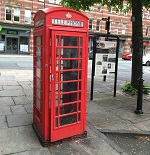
{"x": 139, "y": 97}
{"x": 104, "y": 78}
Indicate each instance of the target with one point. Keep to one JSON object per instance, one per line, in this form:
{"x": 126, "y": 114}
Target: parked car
{"x": 146, "y": 60}
{"x": 127, "y": 56}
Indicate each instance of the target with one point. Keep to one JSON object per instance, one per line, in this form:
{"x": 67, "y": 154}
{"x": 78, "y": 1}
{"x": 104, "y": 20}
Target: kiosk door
{"x": 67, "y": 84}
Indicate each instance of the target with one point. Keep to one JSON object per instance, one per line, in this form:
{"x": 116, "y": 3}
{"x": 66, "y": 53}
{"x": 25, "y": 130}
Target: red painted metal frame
{"x": 61, "y": 132}
{"x": 41, "y": 115}
{"x": 44, "y": 114}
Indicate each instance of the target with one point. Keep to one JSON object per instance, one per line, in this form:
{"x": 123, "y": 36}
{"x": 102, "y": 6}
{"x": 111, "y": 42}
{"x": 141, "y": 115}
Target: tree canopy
{"x": 137, "y": 31}
{"x": 117, "y": 4}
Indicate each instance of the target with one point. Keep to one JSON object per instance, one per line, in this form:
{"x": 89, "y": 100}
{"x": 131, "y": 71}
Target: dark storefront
{"x": 14, "y": 40}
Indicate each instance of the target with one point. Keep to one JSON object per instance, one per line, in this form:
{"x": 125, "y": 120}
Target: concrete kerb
{"x": 101, "y": 135}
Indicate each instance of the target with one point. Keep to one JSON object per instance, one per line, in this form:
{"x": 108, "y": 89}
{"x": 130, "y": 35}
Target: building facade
{"x": 16, "y": 25}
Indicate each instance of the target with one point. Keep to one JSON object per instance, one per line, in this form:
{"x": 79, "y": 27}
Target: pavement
{"x": 105, "y": 114}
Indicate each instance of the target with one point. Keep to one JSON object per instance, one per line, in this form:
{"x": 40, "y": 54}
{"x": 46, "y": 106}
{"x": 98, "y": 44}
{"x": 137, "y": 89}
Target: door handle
{"x": 52, "y": 77}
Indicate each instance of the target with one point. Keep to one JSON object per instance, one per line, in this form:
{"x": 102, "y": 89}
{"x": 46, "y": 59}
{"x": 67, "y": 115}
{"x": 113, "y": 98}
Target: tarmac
{"x": 105, "y": 114}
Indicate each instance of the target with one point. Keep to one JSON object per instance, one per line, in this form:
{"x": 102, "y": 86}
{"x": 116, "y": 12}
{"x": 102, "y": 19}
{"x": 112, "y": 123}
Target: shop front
{"x": 14, "y": 40}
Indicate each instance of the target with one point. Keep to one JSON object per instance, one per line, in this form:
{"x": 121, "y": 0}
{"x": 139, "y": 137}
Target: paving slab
{"x": 26, "y": 84}
{"x": 28, "y": 92}
{"x": 18, "y": 109}
{"x": 21, "y": 100}
{"x": 146, "y": 107}
{"x": 30, "y": 99}
{"x": 143, "y": 126}
{"x": 118, "y": 126}
{"x": 42, "y": 151}
{"x": 19, "y": 120}
{"x": 9, "y": 83}
{"x": 100, "y": 118}
{"x": 11, "y": 93}
{"x": 29, "y": 108}
{"x": 135, "y": 118}
{"x": 18, "y": 139}
{"x": 122, "y": 110}
{"x": 6, "y": 101}
{"x": 68, "y": 148}
{"x": 23, "y": 78}
{"x": 3, "y": 123}
{"x": 12, "y": 87}
{"x": 97, "y": 146}
{"x": 110, "y": 102}
{"x": 5, "y": 110}
{"x": 93, "y": 108}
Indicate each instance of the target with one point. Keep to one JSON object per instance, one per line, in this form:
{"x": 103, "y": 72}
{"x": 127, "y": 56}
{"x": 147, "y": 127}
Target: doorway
{"x": 12, "y": 45}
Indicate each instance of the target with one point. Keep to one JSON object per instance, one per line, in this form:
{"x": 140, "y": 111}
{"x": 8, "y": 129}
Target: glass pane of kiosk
{"x": 69, "y": 63}
{"x": 37, "y": 68}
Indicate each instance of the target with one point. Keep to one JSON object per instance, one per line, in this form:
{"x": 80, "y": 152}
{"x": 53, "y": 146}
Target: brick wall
{"x": 95, "y": 14}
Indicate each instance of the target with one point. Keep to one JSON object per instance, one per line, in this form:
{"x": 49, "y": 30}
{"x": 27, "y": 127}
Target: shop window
{"x": 90, "y": 24}
{"x": 125, "y": 10}
{"x": 110, "y": 26}
{"x": 99, "y": 7}
{"x": 98, "y": 25}
{"x": 27, "y": 16}
{"x": 24, "y": 44}
{"x": 58, "y": 1}
{"x": 2, "y": 42}
{"x": 147, "y": 31}
{"x": 51, "y": 1}
{"x": 8, "y": 13}
{"x": 123, "y": 28}
{"x": 16, "y": 14}
{"x": 110, "y": 10}
{"x": 116, "y": 27}
{"x": 92, "y": 8}
{"x": 117, "y": 10}
{"x": 142, "y": 13}
{"x": 148, "y": 16}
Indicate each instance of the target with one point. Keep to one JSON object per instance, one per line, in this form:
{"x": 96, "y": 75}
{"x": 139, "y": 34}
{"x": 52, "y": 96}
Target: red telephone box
{"x": 60, "y": 73}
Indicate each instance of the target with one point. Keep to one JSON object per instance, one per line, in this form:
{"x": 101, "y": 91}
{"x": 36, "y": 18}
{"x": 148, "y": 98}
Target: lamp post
{"x": 107, "y": 27}
{"x": 44, "y": 4}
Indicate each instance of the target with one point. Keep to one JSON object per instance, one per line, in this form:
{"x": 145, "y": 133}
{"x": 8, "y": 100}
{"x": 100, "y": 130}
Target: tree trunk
{"x": 137, "y": 42}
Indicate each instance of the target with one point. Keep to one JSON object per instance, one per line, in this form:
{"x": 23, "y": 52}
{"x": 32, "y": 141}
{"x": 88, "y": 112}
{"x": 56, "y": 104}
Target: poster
{"x": 105, "y": 59}
{"x": 23, "y": 48}
{"x": 2, "y": 46}
{"x": 105, "y": 64}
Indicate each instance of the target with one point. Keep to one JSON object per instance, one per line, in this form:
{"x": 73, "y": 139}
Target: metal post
{"x": 44, "y": 4}
{"x": 116, "y": 67}
{"x": 104, "y": 78}
{"x": 107, "y": 27}
{"x": 93, "y": 68}
{"x": 139, "y": 97}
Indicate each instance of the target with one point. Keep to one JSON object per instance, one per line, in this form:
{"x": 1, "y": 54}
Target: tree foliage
{"x": 86, "y": 4}
{"x": 137, "y": 34}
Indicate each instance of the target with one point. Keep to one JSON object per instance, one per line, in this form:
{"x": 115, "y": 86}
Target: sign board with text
{"x": 105, "y": 58}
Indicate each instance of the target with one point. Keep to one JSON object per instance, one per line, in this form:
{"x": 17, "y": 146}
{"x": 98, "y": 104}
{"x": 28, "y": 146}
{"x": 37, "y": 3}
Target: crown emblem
{"x": 68, "y": 15}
